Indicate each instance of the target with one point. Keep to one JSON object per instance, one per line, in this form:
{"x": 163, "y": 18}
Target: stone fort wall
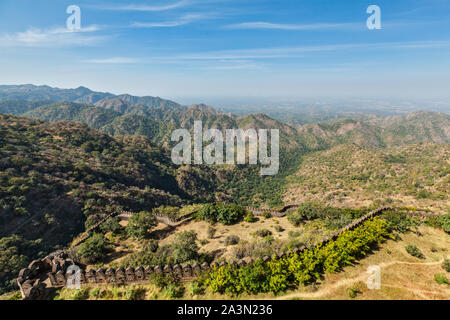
{"x": 54, "y": 271}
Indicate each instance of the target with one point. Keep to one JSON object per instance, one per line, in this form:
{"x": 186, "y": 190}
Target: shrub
{"x": 187, "y": 210}
{"x": 250, "y": 217}
{"x": 335, "y": 218}
{"x": 182, "y": 249}
{"x": 434, "y": 222}
{"x": 445, "y": 222}
{"x": 116, "y": 293}
{"x": 414, "y": 251}
{"x": 423, "y": 194}
{"x": 441, "y": 278}
{"x": 337, "y": 222}
{"x": 161, "y": 281}
{"x": 353, "y": 292}
{"x": 140, "y": 224}
{"x": 256, "y": 249}
{"x": 151, "y": 245}
{"x": 308, "y": 211}
{"x": 94, "y": 249}
{"x": 230, "y": 214}
{"x": 171, "y": 212}
{"x": 95, "y": 293}
{"x": 446, "y": 265}
{"x": 292, "y": 244}
{"x": 207, "y": 213}
{"x": 263, "y": 233}
{"x": 81, "y": 294}
{"x": 197, "y": 288}
{"x": 231, "y": 240}
{"x": 211, "y": 232}
{"x": 294, "y": 218}
{"x": 279, "y": 229}
{"x": 133, "y": 293}
{"x": 399, "y": 222}
{"x": 266, "y": 215}
{"x": 175, "y": 290}
{"x": 294, "y": 234}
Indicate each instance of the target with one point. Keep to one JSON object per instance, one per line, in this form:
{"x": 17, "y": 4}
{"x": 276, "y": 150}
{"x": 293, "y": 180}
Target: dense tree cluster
{"x": 333, "y": 217}
{"x": 222, "y": 213}
{"x": 140, "y": 224}
{"x": 278, "y": 275}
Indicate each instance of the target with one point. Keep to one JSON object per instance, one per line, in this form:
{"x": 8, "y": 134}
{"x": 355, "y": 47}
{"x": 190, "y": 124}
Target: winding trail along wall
{"x": 53, "y": 271}
{"x": 126, "y": 215}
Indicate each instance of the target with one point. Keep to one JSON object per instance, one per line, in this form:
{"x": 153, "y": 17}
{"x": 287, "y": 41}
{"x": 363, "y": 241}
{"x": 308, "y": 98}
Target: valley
{"x": 73, "y": 159}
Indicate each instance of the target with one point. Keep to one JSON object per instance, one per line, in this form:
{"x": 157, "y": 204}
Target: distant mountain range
{"x": 417, "y": 127}
{"x": 124, "y": 114}
{"x": 156, "y": 118}
{"x": 31, "y": 92}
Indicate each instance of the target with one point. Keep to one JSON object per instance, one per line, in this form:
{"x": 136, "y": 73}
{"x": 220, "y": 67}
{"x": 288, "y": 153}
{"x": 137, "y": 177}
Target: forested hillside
{"x": 415, "y": 175}
{"x": 156, "y": 120}
{"x": 58, "y": 178}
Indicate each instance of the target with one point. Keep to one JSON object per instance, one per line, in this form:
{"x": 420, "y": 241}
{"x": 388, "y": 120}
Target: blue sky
{"x": 189, "y": 49}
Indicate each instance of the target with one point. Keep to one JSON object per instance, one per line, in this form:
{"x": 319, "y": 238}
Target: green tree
{"x": 140, "y": 224}
{"x": 185, "y": 248}
{"x": 414, "y": 251}
{"x": 445, "y": 222}
{"x": 94, "y": 249}
{"x": 111, "y": 225}
{"x": 306, "y": 211}
{"x": 223, "y": 213}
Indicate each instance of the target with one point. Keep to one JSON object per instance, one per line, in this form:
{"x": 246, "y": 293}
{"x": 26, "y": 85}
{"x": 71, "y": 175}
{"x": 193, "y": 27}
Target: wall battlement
{"x": 53, "y": 271}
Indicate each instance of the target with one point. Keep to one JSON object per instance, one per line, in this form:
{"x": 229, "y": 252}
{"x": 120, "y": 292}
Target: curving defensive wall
{"x": 54, "y": 271}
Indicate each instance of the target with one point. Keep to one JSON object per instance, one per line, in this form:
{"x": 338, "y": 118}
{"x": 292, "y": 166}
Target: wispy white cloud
{"x": 279, "y": 26}
{"x": 241, "y": 66}
{"x": 144, "y": 8}
{"x": 299, "y": 51}
{"x": 57, "y": 37}
{"x": 114, "y": 60}
{"x": 246, "y": 58}
{"x": 183, "y": 20}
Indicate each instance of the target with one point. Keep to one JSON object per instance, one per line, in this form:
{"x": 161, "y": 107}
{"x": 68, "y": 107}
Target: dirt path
{"x": 361, "y": 278}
